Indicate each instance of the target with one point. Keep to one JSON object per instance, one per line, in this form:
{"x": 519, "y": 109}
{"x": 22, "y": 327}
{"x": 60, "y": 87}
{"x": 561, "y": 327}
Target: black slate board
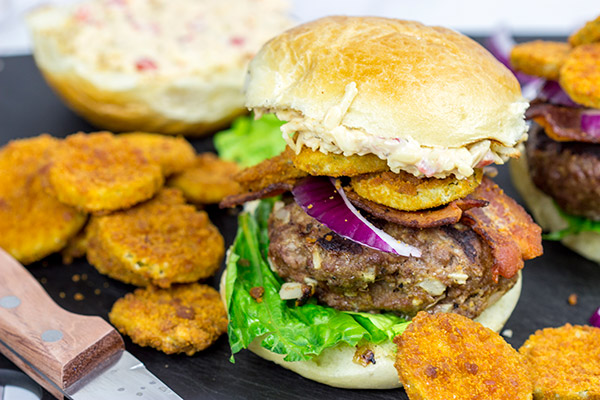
{"x": 28, "y": 108}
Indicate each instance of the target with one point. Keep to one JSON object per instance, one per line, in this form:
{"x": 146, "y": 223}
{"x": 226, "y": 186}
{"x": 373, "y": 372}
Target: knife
{"x": 70, "y": 355}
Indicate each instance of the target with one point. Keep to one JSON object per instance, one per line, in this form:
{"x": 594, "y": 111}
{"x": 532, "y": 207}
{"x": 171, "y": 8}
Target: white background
{"x": 474, "y": 17}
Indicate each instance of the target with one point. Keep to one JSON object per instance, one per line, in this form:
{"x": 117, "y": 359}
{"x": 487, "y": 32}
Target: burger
{"x": 559, "y": 176}
{"x": 379, "y": 207}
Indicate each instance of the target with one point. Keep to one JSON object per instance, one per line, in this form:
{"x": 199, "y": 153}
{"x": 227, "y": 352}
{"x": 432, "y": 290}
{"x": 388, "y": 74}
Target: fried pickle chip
{"x": 208, "y": 181}
{"x": 564, "y": 362}
{"x": 406, "y": 192}
{"x": 540, "y": 58}
{"x": 160, "y": 242}
{"x": 580, "y": 75}
{"x": 96, "y": 172}
{"x": 173, "y": 154}
{"x": 32, "y": 223}
{"x": 183, "y": 319}
{"x": 330, "y": 164}
{"x": 448, "y": 356}
{"x": 275, "y": 170}
{"x": 590, "y": 33}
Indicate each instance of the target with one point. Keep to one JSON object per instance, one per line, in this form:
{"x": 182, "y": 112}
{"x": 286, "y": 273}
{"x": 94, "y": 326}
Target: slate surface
{"x": 28, "y": 108}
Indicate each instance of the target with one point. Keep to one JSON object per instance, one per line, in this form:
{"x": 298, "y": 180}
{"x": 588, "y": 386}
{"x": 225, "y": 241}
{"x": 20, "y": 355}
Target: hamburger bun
{"x": 335, "y": 365}
{"x": 428, "y": 100}
{"x": 546, "y": 214}
{"x": 143, "y": 66}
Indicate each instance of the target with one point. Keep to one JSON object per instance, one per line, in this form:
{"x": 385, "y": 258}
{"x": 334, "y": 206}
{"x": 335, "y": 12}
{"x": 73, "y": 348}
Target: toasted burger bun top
{"x": 427, "y": 99}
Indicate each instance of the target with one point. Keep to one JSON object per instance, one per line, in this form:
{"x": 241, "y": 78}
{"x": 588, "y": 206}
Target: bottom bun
{"x": 335, "y": 365}
{"x": 546, "y": 214}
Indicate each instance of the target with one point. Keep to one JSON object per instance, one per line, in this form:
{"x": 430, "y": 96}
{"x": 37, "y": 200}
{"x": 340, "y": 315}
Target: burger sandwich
{"x": 379, "y": 207}
{"x": 559, "y": 176}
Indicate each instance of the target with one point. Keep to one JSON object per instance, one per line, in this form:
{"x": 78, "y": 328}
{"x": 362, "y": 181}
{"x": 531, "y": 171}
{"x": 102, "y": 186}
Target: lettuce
{"x": 298, "y": 332}
{"x": 575, "y": 225}
{"x": 250, "y": 141}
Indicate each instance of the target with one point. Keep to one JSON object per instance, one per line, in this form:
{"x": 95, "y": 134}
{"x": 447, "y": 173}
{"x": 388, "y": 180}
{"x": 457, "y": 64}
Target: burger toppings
{"x": 566, "y": 124}
{"x": 330, "y": 206}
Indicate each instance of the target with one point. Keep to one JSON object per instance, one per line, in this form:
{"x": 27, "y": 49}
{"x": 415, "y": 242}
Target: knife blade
{"x": 70, "y": 355}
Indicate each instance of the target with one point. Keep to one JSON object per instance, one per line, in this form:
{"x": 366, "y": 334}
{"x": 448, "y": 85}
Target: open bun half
{"x": 335, "y": 366}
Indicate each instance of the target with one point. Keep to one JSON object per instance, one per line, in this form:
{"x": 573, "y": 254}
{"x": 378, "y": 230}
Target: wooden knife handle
{"x": 61, "y": 345}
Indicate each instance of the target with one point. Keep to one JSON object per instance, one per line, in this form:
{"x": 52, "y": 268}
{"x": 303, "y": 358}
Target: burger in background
{"x": 559, "y": 177}
{"x": 389, "y": 125}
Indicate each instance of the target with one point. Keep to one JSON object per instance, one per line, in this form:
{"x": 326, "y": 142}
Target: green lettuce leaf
{"x": 298, "y": 332}
{"x": 250, "y": 141}
{"x": 575, "y": 225}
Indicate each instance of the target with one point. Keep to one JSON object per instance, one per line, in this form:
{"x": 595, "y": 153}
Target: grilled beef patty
{"x": 452, "y": 275}
{"x": 569, "y": 172}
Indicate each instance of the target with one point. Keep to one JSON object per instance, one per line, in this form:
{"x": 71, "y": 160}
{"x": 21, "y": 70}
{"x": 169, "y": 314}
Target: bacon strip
{"x": 506, "y": 227}
{"x": 562, "y": 124}
{"x": 451, "y": 213}
{"x": 269, "y": 191}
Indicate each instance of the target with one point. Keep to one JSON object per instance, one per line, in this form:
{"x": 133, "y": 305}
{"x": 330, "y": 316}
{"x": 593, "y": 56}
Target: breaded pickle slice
{"x": 406, "y": 192}
{"x": 209, "y": 180}
{"x": 589, "y": 33}
{"x": 183, "y": 319}
{"x": 564, "y": 362}
{"x": 98, "y": 173}
{"x": 32, "y": 223}
{"x": 160, "y": 242}
{"x": 580, "y": 75}
{"x": 448, "y": 356}
{"x": 173, "y": 154}
{"x": 330, "y": 164}
{"x": 540, "y": 58}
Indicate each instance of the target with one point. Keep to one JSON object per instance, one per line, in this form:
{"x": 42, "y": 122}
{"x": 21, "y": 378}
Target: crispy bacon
{"x": 562, "y": 124}
{"x": 506, "y": 227}
{"x": 272, "y": 190}
{"x": 449, "y": 214}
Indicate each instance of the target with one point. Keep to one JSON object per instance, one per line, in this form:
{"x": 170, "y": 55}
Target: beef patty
{"x": 569, "y": 172}
{"x": 454, "y": 273}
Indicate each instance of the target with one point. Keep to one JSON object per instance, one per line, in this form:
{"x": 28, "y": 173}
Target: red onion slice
{"x": 319, "y": 198}
{"x": 595, "y": 319}
{"x": 590, "y": 122}
{"x": 552, "y": 93}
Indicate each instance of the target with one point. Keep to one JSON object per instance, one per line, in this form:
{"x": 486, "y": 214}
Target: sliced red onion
{"x": 552, "y": 93}
{"x": 590, "y": 122}
{"x": 595, "y": 319}
{"x": 319, "y": 198}
{"x": 500, "y": 44}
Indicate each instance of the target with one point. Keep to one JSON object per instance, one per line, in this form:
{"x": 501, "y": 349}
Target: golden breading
{"x": 173, "y": 154}
{"x": 32, "y": 223}
{"x": 590, "y": 33}
{"x": 159, "y": 242}
{"x": 317, "y": 163}
{"x": 96, "y": 172}
{"x": 564, "y": 362}
{"x": 208, "y": 181}
{"x": 76, "y": 247}
{"x": 406, "y": 192}
{"x": 580, "y": 75}
{"x": 540, "y": 58}
{"x": 448, "y": 356}
{"x": 183, "y": 319}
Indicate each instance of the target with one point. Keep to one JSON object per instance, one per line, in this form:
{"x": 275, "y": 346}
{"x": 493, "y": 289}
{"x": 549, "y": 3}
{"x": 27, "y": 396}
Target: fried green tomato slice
{"x": 580, "y": 75}
{"x": 173, "y": 154}
{"x": 564, "y": 362}
{"x": 160, "y": 242}
{"x": 32, "y": 223}
{"x": 540, "y": 58}
{"x": 336, "y": 165}
{"x": 449, "y": 356}
{"x": 590, "y": 33}
{"x": 208, "y": 181}
{"x": 183, "y": 319}
{"x": 406, "y": 192}
{"x": 98, "y": 173}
